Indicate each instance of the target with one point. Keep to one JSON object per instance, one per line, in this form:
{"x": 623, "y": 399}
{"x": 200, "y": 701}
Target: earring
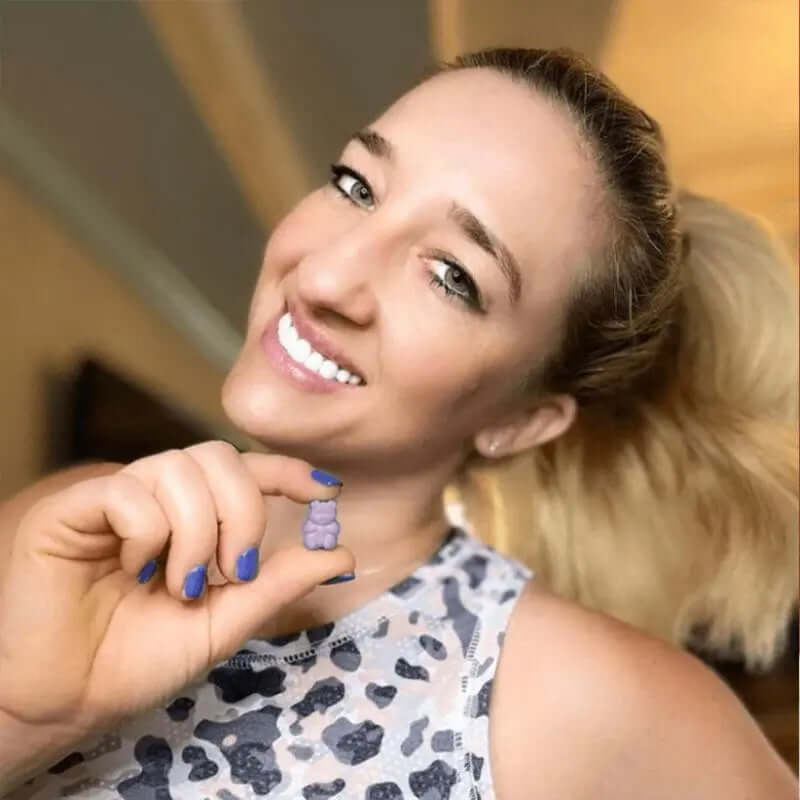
{"x": 493, "y": 447}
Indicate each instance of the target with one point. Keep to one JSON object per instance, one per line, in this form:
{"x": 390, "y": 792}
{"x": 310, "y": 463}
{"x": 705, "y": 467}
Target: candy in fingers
{"x": 320, "y": 527}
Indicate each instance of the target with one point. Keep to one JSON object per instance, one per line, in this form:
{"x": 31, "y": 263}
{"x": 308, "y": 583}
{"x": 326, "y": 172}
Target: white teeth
{"x": 314, "y": 361}
{"x": 328, "y": 369}
{"x": 282, "y": 328}
{"x": 302, "y": 352}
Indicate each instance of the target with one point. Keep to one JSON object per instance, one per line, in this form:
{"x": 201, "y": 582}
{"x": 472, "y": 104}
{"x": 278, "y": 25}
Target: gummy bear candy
{"x": 320, "y": 527}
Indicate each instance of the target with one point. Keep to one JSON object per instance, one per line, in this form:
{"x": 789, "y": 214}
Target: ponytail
{"x": 676, "y": 511}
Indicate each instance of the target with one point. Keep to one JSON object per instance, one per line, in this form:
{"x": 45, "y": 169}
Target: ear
{"x": 541, "y": 423}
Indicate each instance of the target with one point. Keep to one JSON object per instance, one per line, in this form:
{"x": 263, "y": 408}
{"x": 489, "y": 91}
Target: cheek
{"x": 443, "y": 370}
{"x": 295, "y": 235}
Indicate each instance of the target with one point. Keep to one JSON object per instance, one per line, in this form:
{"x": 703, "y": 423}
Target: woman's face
{"x": 434, "y": 266}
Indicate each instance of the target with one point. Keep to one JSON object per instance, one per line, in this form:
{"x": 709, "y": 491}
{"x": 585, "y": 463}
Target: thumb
{"x": 240, "y": 610}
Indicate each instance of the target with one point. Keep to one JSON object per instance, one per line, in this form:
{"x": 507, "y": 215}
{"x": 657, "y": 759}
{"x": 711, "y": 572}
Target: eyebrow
{"x": 374, "y": 143}
{"x": 469, "y": 224}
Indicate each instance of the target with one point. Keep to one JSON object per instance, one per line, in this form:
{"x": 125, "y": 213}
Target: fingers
{"x": 240, "y": 508}
{"x": 202, "y": 506}
{"x": 239, "y": 612}
{"x": 292, "y": 477}
{"x": 84, "y": 520}
{"x": 213, "y": 498}
{"x": 179, "y": 485}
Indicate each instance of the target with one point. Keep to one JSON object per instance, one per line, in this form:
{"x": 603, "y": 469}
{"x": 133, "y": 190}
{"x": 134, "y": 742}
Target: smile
{"x": 301, "y": 351}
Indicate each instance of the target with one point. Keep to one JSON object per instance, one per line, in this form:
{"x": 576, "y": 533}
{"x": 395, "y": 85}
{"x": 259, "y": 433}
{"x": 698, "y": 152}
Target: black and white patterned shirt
{"x": 391, "y": 702}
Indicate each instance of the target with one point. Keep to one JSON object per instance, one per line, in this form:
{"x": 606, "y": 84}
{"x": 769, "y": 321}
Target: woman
{"x": 499, "y": 271}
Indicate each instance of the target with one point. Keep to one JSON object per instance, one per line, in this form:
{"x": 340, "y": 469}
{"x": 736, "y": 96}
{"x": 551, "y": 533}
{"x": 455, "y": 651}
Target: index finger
{"x": 292, "y": 477}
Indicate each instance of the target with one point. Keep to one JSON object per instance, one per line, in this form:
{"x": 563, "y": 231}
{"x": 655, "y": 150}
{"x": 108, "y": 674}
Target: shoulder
{"x": 585, "y": 705}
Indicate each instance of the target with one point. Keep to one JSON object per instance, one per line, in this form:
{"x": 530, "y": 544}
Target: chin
{"x": 257, "y": 410}
{"x": 263, "y": 412}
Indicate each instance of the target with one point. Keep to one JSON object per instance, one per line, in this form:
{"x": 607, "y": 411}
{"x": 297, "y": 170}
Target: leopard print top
{"x": 390, "y": 702}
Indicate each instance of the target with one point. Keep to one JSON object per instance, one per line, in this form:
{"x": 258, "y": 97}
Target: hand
{"x": 83, "y": 642}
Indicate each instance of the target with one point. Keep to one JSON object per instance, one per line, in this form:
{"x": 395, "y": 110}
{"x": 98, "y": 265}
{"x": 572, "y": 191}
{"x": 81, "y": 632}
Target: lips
{"x": 321, "y": 343}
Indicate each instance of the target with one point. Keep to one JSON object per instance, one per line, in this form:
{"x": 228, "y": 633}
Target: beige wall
{"x": 721, "y": 78}
{"x": 57, "y": 304}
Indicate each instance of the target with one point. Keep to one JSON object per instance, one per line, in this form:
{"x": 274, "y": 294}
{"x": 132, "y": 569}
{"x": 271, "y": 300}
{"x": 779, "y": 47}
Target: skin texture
{"x": 361, "y": 275}
{"x": 587, "y": 706}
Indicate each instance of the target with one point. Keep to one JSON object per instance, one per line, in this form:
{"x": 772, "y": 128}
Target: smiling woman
{"x": 500, "y": 280}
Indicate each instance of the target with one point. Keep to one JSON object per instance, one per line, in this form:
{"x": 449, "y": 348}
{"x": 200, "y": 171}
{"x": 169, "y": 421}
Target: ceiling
{"x": 199, "y": 124}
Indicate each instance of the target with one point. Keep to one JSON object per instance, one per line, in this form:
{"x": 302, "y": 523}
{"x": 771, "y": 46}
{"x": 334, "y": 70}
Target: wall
{"x": 58, "y": 303}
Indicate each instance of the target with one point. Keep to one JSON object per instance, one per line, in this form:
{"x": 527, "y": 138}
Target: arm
{"x": 27, "y": 749}
{"x": 586, "y": 706}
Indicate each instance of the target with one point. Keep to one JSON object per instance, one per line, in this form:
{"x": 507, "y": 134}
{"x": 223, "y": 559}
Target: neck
{"x": 391, "y": 525}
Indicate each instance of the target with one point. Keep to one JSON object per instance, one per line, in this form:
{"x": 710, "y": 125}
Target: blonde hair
{"x": 671, "y": 503}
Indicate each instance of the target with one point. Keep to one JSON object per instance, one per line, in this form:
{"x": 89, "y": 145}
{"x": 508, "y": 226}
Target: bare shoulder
{"x": 584, "y": 705}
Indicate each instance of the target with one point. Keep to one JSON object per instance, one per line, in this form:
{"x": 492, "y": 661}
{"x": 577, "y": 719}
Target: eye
{"x": 456, "y": 282}
{"x": 352, "y": 185}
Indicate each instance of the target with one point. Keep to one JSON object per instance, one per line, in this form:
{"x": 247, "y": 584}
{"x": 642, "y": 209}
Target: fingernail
{"x": 194, "y": 583}
{"x": 344, "y": 578}
{"x": 325, "y": 478}
{"x": 247, "y": 564}
{"x": 147, "y": 571}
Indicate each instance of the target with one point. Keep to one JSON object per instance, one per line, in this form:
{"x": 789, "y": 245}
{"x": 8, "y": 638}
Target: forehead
{"x": 504, "y": 151}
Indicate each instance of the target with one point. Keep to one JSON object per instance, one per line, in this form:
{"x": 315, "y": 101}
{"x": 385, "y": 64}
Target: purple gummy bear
{"x": 320, "y": 528}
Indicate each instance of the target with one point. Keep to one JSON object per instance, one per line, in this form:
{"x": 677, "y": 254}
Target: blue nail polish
{"x": 194, "y": 583}
{"x": 147, "y": 571}
{"x": 247, "y": 564}
{"x": 325, "y": 478}
{"x": 343, "y": 578}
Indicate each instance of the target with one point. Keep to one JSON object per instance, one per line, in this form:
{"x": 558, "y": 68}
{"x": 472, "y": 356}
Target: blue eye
{"x": 456, "y": 282}
{"x": 352, "y": 186}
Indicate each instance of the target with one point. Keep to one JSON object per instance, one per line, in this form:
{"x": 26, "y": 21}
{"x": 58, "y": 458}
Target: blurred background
{"x": 147, "y": 148}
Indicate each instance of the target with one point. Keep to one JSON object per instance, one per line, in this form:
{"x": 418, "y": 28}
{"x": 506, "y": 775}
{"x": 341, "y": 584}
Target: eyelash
{"x": 473, "y": 302}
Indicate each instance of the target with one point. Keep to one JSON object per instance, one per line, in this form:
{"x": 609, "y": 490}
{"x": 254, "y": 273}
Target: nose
{"x": 340, "y": 277}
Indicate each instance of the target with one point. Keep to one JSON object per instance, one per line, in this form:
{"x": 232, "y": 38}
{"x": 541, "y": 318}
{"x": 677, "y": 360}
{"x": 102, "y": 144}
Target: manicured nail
{"x": 147, "y": 571}
{"x": 194, "y": 583}
{"x": 325, "y": 478}
{"x": 344, "y": 578}
{"x": 247, "y": 564}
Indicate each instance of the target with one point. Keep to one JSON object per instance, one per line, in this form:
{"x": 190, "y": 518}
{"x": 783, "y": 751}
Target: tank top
{"x": 390, "y": 702}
